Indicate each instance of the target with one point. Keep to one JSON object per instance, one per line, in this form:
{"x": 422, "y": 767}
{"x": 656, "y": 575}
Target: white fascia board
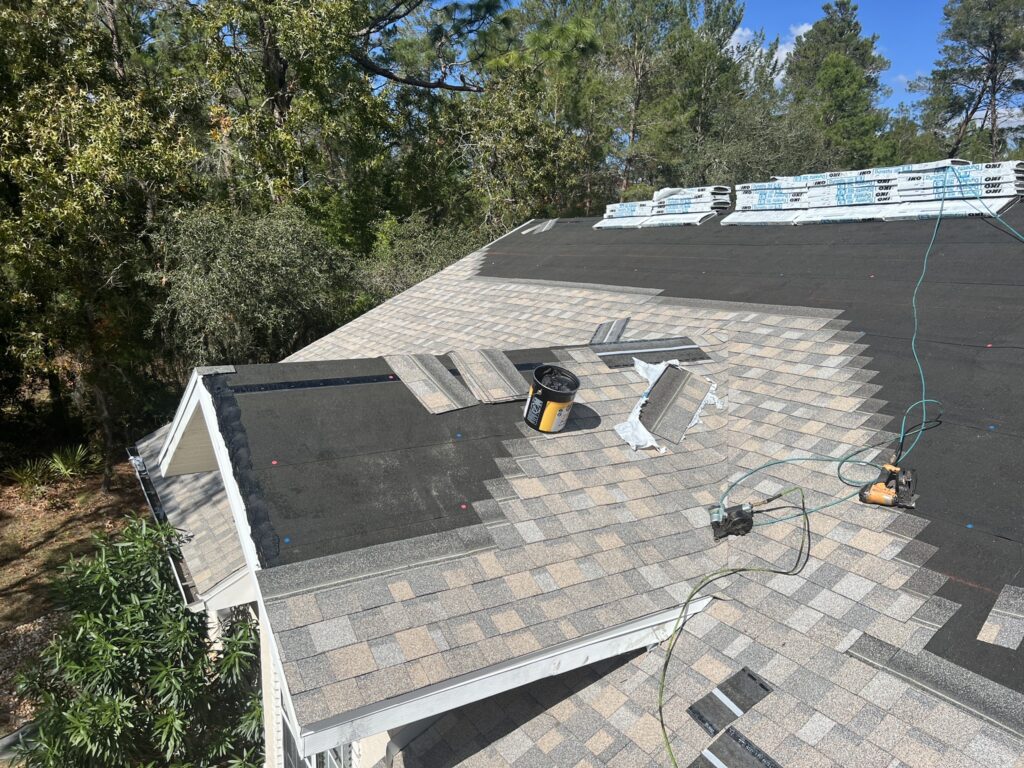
{"x": 182, "y": 416}
{"x": 220, "y": 451}
{"x": 237, "y": 506}
{"x": 482, "y": 684}
{"x": 237, "y": 589}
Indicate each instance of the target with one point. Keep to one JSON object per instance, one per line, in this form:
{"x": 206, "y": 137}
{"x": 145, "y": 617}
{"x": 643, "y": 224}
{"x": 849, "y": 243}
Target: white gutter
{"x": 482, "y": 684}
{"x": 142, "y": 475}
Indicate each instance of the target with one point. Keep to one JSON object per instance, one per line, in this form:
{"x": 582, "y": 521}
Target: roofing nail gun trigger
{"x": 894, "y": 487}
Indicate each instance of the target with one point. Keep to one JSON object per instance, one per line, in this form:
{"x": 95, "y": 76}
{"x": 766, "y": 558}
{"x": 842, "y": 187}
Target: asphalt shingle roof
{"x": 796, "y": 381}
{"x": 588, "y": 534}
{"x": 197, "y": 505}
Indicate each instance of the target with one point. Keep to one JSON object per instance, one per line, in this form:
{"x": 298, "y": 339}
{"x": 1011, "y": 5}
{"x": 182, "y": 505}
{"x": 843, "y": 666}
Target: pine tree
{"x": 979, "y": 78}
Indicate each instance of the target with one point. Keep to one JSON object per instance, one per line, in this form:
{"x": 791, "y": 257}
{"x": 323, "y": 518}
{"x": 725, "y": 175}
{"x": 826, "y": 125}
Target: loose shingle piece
{"x": 674, "y": 402}
{"x": 490, "y": 375}
{"x": 610, "y": 330}
{"x": 431, "y": 382}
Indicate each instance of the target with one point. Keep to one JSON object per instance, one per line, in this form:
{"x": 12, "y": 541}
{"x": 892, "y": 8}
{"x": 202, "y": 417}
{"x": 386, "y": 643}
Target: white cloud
{"x": 741, "y": 37}
{"x": 744, "y": 35}
{"x": 786, "y": 46}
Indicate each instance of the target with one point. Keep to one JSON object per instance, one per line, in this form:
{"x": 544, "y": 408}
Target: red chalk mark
{"x": 968, "y": 583}
{"x": 273, "y": 461}
{"x": 463, "y": 506}
{"x": 988, "y": 346}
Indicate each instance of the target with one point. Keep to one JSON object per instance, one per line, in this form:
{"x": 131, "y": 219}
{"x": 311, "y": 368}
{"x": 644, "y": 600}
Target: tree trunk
{"x": 968, "y": 117}
{"x": 108, "y": 18}
{"x": 58, "y": 408}
{"x": 627, "y": 171}
{"x": 107, "y": 425}
{"x": 275, "y": 71}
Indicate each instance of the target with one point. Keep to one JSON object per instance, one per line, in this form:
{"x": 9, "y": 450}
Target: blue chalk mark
{"x": 287, "y": 539}
{"x": 970, "y": 525}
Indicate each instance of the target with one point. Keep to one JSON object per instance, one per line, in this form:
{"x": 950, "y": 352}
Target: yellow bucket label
{"x": 555, "y": 416}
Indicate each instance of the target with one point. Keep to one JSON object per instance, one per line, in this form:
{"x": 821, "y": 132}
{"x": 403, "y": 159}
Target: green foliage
{"x": 832, "y": 81}
{"x": 73, "y": 461}
{"x": 850, "y": 123}
{"x": 67, "y": 463}
{"x": 246, "y": 286}
{"x": 979, "y": 79}
{"x": 196, "y": 182}
{"x": 837, "y": 32}
{"x": 134, "y": 678}
{"x": 905, "y": 141}
{"x": 90, "y": 152}
{"x": 405, "y": 252}
{"x": 31, "y": 476}
{"x": 710, "y": 84}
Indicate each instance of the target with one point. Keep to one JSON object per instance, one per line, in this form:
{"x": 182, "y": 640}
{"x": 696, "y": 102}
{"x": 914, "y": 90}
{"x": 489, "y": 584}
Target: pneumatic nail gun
{"x": 894, "y": 488}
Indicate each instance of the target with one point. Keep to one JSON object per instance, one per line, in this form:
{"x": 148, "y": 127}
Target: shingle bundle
{"x": 915, "y": 191}
{"x": 672, "y": 206}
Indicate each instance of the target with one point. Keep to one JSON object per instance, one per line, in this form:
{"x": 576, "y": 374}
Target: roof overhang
{"x": 482, "y": 684}
{"x": 197, "y": 408}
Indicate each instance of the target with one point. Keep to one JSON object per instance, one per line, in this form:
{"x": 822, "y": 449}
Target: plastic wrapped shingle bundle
{"x": 672, "y": 206}
{"x": 978, "y": 189}
{"x": 913, "y": 191}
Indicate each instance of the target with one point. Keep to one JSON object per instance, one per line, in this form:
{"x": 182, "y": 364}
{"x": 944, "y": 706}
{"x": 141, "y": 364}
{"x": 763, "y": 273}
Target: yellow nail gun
{"x": 894, "y": 488}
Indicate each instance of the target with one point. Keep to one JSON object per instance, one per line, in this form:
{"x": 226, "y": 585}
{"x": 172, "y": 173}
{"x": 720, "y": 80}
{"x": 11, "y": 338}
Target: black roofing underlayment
{"x": 971, "y": 343}
{"x": 337, "y": 456}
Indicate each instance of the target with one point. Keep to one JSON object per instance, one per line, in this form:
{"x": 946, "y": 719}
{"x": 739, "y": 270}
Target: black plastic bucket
{"x": 551, "y": 397}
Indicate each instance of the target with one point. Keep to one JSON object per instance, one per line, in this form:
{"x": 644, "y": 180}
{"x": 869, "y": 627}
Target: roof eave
{"x": 474, "y": 686}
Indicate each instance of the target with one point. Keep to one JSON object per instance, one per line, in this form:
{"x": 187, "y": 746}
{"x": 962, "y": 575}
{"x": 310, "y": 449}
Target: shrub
{"x": 408, "y": 251}
{"x": 247, "y": 287}
{"x": 73, "y": 461}
{"x": 31, "y": 476}
{"x": 134, "y": 677}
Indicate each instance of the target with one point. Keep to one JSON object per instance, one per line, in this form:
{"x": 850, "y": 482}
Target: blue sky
{"x": 907, "y": 30}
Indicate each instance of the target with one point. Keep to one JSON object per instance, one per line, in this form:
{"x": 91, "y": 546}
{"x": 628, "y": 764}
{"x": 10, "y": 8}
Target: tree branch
{"x": 376, "y": 69}
{"x": 391, "y": 16}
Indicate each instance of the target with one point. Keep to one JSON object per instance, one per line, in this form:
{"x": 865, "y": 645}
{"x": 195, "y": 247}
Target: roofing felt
{"x": 341, "y": 456}
{"x": 577, "y": 519}
{"x": 971, "y": 310}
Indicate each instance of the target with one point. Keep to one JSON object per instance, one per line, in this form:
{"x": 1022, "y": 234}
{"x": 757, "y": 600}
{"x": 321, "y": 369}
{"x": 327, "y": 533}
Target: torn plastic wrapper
{"x": 634, "y": 432}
